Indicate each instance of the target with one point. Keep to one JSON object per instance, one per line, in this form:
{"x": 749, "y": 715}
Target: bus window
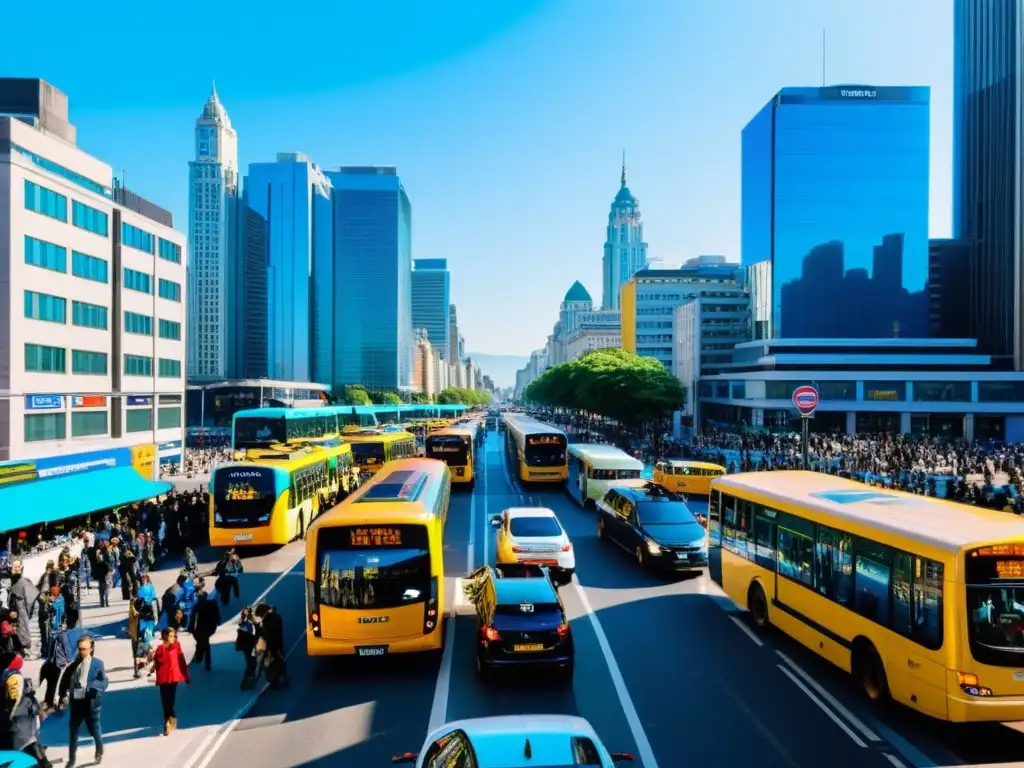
{"x": 833, "y": 562}
{"x": 259, "y": 432}
{"x": 796, "y": 552}
{"x": 764, "y": 537}
{"x": 368, "y": 453}
{"x": 928, "y": 576}
{"x": 872, "y": 580}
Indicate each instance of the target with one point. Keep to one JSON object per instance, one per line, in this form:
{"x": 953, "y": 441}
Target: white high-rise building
{"x": 213, "y": 177}
{"x": 625, "y": 252}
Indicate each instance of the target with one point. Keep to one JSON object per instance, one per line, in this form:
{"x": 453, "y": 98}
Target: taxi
{"x": 533, "y": 536}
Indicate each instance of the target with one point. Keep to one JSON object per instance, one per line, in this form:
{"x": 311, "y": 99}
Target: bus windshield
{"x": 450, "y": 449}
{"x": 995, "y": 606}
{"x": 373, "y": 567}
{"x": 243, "y": 496}
{"x": 545, "y": 450}
{"x": 260, "y": 432}
{"x": 368, "y": 453}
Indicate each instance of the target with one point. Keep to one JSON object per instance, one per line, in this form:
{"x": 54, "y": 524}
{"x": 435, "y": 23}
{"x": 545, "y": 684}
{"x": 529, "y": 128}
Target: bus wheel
{"x": 869, "y": 672}
{"x": 757, "y": 604}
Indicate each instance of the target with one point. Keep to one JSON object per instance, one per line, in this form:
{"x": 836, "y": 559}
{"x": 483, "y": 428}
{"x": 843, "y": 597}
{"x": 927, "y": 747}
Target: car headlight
{"x": 654, "y": 547}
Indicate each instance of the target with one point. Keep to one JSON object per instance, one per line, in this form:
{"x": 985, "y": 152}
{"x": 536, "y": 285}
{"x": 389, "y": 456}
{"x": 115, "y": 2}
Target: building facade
{"x": 625, "y": 252}
{"x": 288, "y": 194}
{"x": 949, "y": 281}
{"x": 431, "y": 300}
{"x": 93, "y": 342}
{"x": 988, "y": 172}
{"x": 835, "y": 197}
{"x": 426, "y": 365}
{"x": 212, "y": 183}
{"x": 246, "y": 294}
{"x": 373, "y": 331}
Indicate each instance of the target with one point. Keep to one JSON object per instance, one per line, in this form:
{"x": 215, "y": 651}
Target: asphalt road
{"x": 666, "y": 669}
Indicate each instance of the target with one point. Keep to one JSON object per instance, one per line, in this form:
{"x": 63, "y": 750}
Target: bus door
{"x": 715, "y": 536}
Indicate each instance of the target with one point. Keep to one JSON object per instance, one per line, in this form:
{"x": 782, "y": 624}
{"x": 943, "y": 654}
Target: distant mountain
{"x": 501, "y": 368}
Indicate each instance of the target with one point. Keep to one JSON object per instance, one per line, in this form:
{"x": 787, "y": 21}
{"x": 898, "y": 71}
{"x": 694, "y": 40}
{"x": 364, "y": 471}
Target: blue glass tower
{"x": 431, "y": 296}
{"x": 288, "y": 194}
{"x": 373, "y": 336}
{"x": 835, "y": 197}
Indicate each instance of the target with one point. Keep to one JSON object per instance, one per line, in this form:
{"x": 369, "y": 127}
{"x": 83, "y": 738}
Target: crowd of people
{"x": 198, "y": 461}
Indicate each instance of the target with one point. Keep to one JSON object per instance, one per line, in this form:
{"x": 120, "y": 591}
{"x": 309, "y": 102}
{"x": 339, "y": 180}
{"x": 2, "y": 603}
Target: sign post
{"x": 805, "y": 399}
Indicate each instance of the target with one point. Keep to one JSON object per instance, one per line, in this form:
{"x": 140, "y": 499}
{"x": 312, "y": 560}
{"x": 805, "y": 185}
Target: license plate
{"x": 371, "y": 650}
{"x": 242, "y": 537}
{"x": 1018, "y": 675}
{"x": 528, "y": 647}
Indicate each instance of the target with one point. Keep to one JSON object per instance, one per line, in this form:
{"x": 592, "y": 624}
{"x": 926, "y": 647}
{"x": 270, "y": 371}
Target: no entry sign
{"x": 805, "y": 399}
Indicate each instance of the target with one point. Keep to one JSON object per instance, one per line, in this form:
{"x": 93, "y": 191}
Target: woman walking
{"x": 171, "y": 668}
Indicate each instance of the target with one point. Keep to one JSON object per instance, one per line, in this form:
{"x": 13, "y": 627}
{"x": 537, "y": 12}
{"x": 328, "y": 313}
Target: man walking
{"x": 83, "y": 684}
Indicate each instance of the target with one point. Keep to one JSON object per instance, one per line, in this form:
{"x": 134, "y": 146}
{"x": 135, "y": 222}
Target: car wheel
{"x": 600, "y": 528}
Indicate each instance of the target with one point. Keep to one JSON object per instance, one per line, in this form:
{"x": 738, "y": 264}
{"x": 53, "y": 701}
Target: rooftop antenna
{"x": 822, "y": 57}
{"x": 623, "y": 167}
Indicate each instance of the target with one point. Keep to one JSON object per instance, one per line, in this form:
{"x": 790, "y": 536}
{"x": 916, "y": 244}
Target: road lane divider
{"x": 823, "y": 707}
{"x": 439, "y": 706}
{"x": 746, "y": 630}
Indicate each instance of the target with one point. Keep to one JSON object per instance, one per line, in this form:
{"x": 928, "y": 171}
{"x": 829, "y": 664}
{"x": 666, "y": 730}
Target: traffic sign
{"x": 805, "y": 399}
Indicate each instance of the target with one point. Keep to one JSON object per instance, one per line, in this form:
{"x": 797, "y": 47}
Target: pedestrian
{"x": 83, "y": 685}
{"x": 245, "y": 643}
{"x": 21, "y": 601}
{"x": 21, "y": 712}
{"x": 101, "y": 570}
{"x": 171, "y": 669}
{"x": 58, "y": 656}
{"x": 227, "y": 572}
{"x": 270, "y": 645}
{"x": 205, "y": 621}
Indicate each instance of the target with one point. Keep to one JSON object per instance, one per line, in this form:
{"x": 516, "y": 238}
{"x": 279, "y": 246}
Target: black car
{"x": 521, "y": 621}
{"x": 655, "y": 526}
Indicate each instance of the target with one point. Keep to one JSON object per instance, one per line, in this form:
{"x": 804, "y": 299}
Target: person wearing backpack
{"x": 21, "y": 713}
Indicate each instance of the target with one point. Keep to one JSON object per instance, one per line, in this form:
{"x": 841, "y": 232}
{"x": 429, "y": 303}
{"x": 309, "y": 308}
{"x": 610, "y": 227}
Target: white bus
{"x": 594, "y": 468}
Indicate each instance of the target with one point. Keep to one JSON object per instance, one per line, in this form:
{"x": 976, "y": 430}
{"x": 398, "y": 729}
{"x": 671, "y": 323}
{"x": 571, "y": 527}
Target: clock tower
{"x": 625, "y": 252}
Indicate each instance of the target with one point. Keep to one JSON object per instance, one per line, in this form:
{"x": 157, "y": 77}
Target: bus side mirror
{"x": 496, "y": 521}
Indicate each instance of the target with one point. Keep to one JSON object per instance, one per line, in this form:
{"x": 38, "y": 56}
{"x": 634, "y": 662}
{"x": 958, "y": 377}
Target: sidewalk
{"x": 132, "y": 720}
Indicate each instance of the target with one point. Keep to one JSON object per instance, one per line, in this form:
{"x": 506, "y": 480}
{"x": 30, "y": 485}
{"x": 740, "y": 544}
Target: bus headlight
{"x": 431, "y": 618}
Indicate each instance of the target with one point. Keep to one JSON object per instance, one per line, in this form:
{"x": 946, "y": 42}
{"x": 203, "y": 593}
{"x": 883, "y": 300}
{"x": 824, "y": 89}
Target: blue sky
{"x": 506, "y": 118}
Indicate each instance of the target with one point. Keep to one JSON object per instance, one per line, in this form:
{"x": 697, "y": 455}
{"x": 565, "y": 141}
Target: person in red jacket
{"x": 171, "y": 668}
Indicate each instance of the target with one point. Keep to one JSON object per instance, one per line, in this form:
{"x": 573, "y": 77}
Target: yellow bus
{"x": 375, "y": 565}
{"x": 434, "y": 425}
{"x": 920, "y": 599}
{"x": 594, "y": 468}
{"x": 372, "y": 448}
{"x": 536, "y": 452}
{"x": 272, "y": 499}
{"x": 456, "y": 447}
{"x": 689, "y": 477}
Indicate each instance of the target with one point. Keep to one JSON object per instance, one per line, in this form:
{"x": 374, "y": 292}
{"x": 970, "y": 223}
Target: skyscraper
{"x": 213, "y": 180}
{"x": 293, "y": 196}
{"x": 454, "y": 348}
{"x": 431, "y": 294}
{"x": 835, "y": 197}
{"x": 373, "y": 332}
{"x": 988, "y": 172}
{"x": 625, "y": 252}
{"x": 246, "y": 292}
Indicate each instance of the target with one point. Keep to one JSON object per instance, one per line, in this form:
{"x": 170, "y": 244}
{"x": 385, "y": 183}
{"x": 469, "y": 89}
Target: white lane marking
{"x": 821, "y": 705}
{"x": 263, "y": 595}
{"x": 747, "y": 631}
{"x": 219, "y": 736}
{"x": 439, "y": 708}
{"x": 643, "y": 745}
{"x": 894, "y": 760}
{"x": 855, "y": 721}
{"x": 487, "y": 519}
{"x": 472, "y": 535}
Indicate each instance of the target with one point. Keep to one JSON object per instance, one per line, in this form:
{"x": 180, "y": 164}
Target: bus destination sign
{"x": 376, "y": 537}
{"x": 544, "y": 440}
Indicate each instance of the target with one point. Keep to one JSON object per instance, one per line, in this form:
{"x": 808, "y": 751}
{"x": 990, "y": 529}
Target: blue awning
{"x": 52, "y": 499}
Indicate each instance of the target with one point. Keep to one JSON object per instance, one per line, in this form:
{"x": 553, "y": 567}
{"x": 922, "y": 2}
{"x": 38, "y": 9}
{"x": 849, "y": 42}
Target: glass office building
{"x": 246, "y": 294}
{"x": 835, "y": 198}
{"x": 988, "y": 196}
{"x": 431, "y": 295}
{"x": 288, "y": 194}
{"x": 373, "y": 336}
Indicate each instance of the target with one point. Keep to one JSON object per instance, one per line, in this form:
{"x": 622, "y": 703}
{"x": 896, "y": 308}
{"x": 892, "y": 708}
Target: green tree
{"x": 390, "y": 398}
{"x": 463, "y": 396}
{"x": 420, "y": 398}
{"x": 354, "y": 394}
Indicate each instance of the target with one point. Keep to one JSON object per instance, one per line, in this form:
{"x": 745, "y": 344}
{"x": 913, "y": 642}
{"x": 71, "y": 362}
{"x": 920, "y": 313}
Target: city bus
{"x": 375, "y": 565}
{"x": 372, "y": 448}
{"x": 593, "y": 468}
{"x": 457, "y": 447}
{"x": 272, "y": 499}
{"x": 920, "y": 599}
{"x": 536, "y": 452}
{"x": 687, "y": 477}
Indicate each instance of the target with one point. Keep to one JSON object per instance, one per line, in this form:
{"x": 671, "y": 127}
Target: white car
{"x": 514, "y": 741}
{"x": 533, "y": 536}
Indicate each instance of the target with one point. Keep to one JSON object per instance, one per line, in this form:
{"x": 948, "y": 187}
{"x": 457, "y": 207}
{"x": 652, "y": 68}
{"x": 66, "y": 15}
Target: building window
{"x": 88, "y": 267}
{"x": 89, "y": 315}
{"x": 170, "y": 251}
{"x": 88, "y": 363}
{"x": 138, "y": 365}
{"x": 836, "y": 390}
{"x": 136, "y": 238}
{"x": 138, "y": 420}
{"x": 40, "y": 253}
{"x": 138, "y": 281}
{"x": 88, "y": 423}
{"x": 781, "y": 390}
{"x": 884, "y": 391}
{"x": 170, "y": 330}
{"x": 169, "y": 369}
{"x": 168, "y": 418}
{"x": 59, "y": 170}
{"x": 141, "y": 324}
{"x": 45, "y": 201}
{"x": 1000, "y": 391}
{"x": 92, "y": 220}
{"x": 45, "y": 426}
{"x": 942, "y": 391}
{"x": 40, "y": 359}
{"x": 42, "y": 306}
{"x": 170, "y": 290}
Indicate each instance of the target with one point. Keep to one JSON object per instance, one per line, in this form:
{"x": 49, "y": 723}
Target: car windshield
{"x": 664, "y": 513}
{"x": 525, "y": 527}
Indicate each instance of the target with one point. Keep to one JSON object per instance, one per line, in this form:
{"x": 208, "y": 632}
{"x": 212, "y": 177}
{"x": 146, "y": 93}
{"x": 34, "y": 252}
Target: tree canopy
{"x": 354, "y": 394}
{"x": 420, "y": 398}
{"x": 462, "y": 396}
{"x": 386, "y": 398}
{"x": 612, "y": 383}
